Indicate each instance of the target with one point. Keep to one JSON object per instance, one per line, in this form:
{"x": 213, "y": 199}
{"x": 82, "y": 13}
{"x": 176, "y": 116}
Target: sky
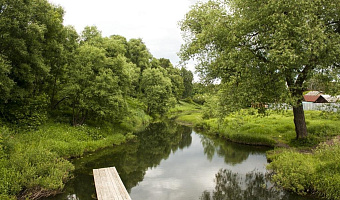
{"x": 154, "y": 21}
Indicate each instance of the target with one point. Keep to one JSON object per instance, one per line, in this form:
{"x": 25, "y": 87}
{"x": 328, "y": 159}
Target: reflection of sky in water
{"x": 72, "y": 197}
{"x": 187, "y": 173}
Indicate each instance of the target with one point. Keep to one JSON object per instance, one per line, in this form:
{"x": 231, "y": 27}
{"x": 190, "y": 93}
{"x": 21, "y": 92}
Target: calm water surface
{"x": 173, "y": 162}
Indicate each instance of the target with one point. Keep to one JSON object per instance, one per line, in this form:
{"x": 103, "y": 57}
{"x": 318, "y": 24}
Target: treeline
{"x": 49, "y": 70}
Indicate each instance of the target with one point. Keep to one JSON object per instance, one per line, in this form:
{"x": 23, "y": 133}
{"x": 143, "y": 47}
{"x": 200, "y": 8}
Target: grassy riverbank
{"x": 273, "y": 129}
{"x": 305, "y": 166}
{"x": 34, "y": 163}
{"x": 316, "y": 171}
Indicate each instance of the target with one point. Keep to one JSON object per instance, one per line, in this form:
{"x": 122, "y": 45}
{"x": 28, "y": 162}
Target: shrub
{"x": 199, "y": 99}
{"x": 294, "y": 171}
{"x": 318, "y": 172}
{"x": 39, "y": 167}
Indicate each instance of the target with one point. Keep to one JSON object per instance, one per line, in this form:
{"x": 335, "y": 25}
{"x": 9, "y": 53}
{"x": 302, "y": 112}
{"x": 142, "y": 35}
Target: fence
{"x": 330, "y": 107}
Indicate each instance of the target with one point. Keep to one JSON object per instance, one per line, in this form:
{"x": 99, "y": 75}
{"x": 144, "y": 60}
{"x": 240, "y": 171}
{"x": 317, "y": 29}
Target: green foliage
{"x": 48, "y": 71}
{"x": 303, "y": 173}
{"x": 32, "y": 49}
{"x": 188, "y": 78}
{"x": 136, "y": 119}
{"x": 47, "y": 68}
{"x": 157, "y": 91}
{"x": 211, "y": 107}
{"x": 264, "y": 51}
{"x": 6, "y": 84}
{"x": 28, "y": 112}
{"x": 36, "y": 158}
{"x": 30, "y": 165}
{"x": 138, "y": 54}
{"x": 199, "y": 98}
{"x": 295, "y": 172}
{"x": 247, "y": 126}
{"x": 93, "y": 86}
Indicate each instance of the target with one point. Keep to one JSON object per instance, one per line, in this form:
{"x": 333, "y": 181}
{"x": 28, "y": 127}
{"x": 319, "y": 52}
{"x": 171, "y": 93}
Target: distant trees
{"x": 188, "y": 78}
{"x": 157, "y": 89}
{"x": 47, "y": 69}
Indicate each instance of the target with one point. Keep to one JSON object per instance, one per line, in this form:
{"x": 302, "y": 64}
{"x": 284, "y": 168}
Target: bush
{"x": 39, "y": 167}
{"x": 199, "y": 99}
{"x": 302, "y": 173}
{"x": 34, "y": 160}
{"x": 294, "y": 171}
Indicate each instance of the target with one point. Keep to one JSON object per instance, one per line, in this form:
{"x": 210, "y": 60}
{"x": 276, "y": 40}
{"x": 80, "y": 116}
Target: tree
{"x": 157, "y": 91}
{"x": 6, "y": 84}
{"x": 188, "y": 77}
{"x": 264, "y": 51}
{"x": 91, "y": 35}
{"x": 139, "y": 54}
{"x": 58, "y": 56}
{"x": 175, "y": 75}
{"x": 92, "y": 87}
{"x": 30, "y": 45}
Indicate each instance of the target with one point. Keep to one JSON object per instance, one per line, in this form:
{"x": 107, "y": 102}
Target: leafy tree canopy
{"x": 264, "y": 51}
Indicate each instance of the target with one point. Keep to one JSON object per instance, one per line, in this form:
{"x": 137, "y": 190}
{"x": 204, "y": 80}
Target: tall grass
{"x": 36, "y": 160}
{"x": 246, "y": 126}
{"x": 317, "y": 172}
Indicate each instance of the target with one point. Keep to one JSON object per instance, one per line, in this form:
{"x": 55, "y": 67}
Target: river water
{"x": 173, "y": 162}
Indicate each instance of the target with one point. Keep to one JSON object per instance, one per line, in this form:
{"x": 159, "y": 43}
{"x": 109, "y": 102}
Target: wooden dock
{"x": 108, "y": 184}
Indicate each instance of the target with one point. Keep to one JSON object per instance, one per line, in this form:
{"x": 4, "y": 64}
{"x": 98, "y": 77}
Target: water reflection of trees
{"x": 154, "y": 144}
{"x": 132, "y": 160}
{"x": 231, "y": 152}
{"x": 253, "y": 186}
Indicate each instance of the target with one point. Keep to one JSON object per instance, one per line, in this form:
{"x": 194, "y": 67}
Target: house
{"x": 331, "y": 99}
{"x": 314, "y": 93}
{"x": 315, "y": 99}
{"x": 319, "y": 97}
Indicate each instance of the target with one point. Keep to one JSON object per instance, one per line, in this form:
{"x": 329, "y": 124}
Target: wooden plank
{"x": 108, "y": 185}
{"x": 112, "y": 183}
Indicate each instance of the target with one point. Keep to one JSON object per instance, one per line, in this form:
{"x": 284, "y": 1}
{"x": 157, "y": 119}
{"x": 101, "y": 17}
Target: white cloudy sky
{"x": 155, "y": 21}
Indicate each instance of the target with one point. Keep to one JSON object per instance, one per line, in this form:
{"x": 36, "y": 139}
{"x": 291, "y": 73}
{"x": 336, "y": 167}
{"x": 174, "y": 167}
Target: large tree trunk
{"x": 299, "y": 121}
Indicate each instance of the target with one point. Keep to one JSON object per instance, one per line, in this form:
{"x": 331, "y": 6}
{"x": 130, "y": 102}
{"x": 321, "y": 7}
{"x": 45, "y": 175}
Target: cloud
{"x": 155, "y": 21}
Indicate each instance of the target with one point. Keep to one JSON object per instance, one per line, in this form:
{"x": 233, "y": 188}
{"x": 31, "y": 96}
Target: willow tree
{"x": 264, "y": 50}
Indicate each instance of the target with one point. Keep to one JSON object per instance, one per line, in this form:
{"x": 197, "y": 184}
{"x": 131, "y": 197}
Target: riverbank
{"x": 36, "y": 163}
{"x": 308, "y": 166}
{"x": 275, "y": 129}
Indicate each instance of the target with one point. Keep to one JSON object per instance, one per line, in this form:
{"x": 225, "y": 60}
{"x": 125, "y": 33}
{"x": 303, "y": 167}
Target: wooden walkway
{"x": 108, "y": 184}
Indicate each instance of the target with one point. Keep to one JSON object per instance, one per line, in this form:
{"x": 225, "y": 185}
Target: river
{"x": 173, "y": 162}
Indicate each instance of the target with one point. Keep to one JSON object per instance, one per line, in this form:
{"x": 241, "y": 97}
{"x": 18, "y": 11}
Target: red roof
{"x": 311, "y": 98}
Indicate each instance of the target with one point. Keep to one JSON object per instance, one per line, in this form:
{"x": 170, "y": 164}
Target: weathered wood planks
{"x": 108, "y": 184}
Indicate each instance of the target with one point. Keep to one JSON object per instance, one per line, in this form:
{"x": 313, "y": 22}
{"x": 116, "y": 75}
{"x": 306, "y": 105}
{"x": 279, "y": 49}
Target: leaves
{"x": 263, "y": 51}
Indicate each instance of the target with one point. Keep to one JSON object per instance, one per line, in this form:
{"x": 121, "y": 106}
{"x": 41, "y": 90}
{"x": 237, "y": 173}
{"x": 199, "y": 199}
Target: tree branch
{"x": 55, "y": 106}
{"x": 303, "y": 75}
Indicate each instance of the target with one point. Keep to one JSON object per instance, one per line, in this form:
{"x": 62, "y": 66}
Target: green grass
{"x": 186, "y": 113}
{"x": 270, "y": 130}
{"x": 37, "y": 159}
{"x": 317, "y": 172}
{"x": 303, "y": 166}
